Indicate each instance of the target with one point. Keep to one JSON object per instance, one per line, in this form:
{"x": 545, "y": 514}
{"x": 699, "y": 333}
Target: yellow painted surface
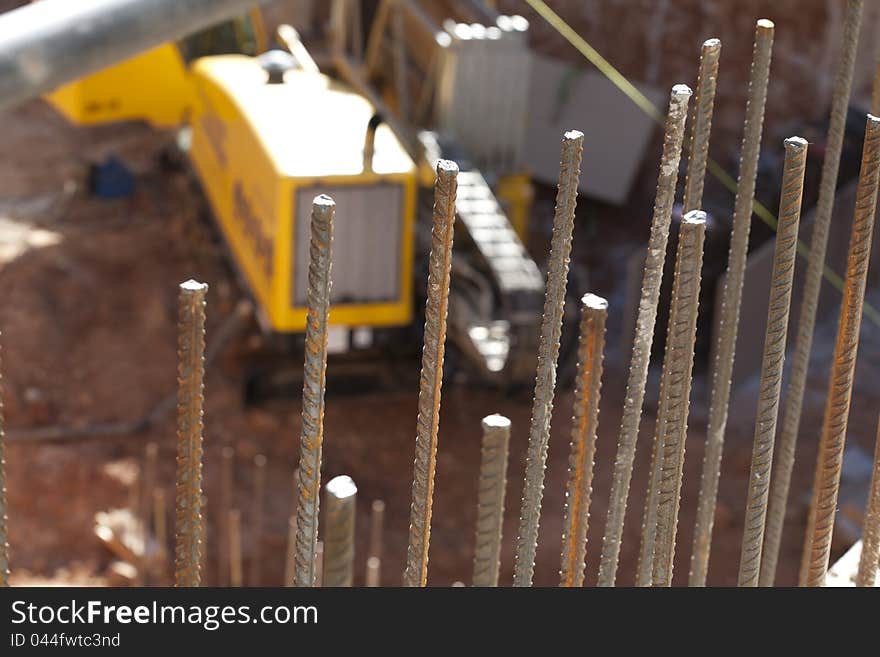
{"x": 152, "y": 86}
{"x": 254, "y": 143}
{"x": 516, "y": 194}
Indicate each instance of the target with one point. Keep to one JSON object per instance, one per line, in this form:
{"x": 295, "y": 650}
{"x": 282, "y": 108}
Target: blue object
{"x": 112, "y": 179}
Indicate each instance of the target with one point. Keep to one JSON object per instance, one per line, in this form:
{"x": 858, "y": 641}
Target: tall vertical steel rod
{"x": 770, "y": 385}
{"x": 315, "y": 370}
{"x": 794, "y": 396}
{"x": 4, "y": 537}
{"x": 644, "y": 335}
{"x": 339, "y": 515}
{"x": 227, "y": 479}
{"x": 830, "y": 461}
{"x": 490, "y": 502}
{"x": 234, "y": 538}
{"x": 548, "y": 354}
{"x": 256, "y": 570}
{"x": 672, "y": 416}
{"x": 725, "y": 346}
{"x": 190, "y": 401}
{"x": 431, "y": 380}
{"x": 701, "y": 127}
{"x": 868, "y": 560}
{"x": 584, "y": 425}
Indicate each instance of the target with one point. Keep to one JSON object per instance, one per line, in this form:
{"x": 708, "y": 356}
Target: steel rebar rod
{"x": 227, "y": 484}
{"x": 548, "y": 354}
{"x": 829, "y": 463}
{"x": 339, "y": 515}
{"x": 290, "y": 555}
{"x": 585, "y": 422}
{"x": 377, "y": 520}
{"x": 4, "y": 536}
{"x": 319, "y": 564}
{"x": 672, "y": 415}
{"x": 770, "y": 385}
{"x": 644, "y": 333}
{"x": 728, "y": 322}
{"x": 791, "y": 412}
{"x": 315, "y": 372}
{"x": 373, "y": 574}
{"x": 490, "y": 502}
{"x": 431, "y": 378}
{"x": 868, "y": 560}
{"x": 256, "y": 573}
{"x": 701, "y": 127}
{"x": 190, "y": 401}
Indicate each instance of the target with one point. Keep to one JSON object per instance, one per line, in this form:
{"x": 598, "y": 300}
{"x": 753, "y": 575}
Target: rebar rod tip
{"x": 694, "y": 217}
{"x": 520, "y": 23}
{"x": 323, "y": 202}
{"x": 573, "y": 135}
{"x": 443, "y": 39}
{"x": 260, "y": 460}
{"x": 228, "y": 452}
{"x": 341, "y": 487}
{"x": 594, "y": 302}
{"x": 873, "y": 121}
{"x": 446, "y": 169}
{"x": 681, "y": 92}
{"x": 765, "y": 24}
{"x": 796, "y": 144}
{"x": 712, "y": 44}
{"x": 496, "y": 421}
{"x": 378, "y": 506}
{"x": 192, "y": 286}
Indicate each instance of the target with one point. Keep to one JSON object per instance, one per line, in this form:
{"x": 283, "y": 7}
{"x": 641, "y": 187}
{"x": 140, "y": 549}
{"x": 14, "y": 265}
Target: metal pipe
{"x": 490, "y": 503}
{"x": 812, "y": 286}
{"x": 256, "y": 574}
{"x": 770, "y": 384}
{"x": 644, "y": 333}
{"x": 675, "y": 391}
{"x": 584, "y": 424}
{"x": 823, "y": 508}
{"x": 46, "y": 44}
{"x": 548, "y": 354}
{"x": 698, "y": 144}
{"x": 190, "y": 401}
{"x": 339, "y": 516}
{"x": 431, "y": 378}
{"x": 315, "y": 370}
{"x": 725, "y": 347}
{"x": 868, "y": 560}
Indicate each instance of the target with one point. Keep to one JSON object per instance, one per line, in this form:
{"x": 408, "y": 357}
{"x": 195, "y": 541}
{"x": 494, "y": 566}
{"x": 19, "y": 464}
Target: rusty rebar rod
{"x": 4, "y": 536}
{"x": 148, "y": 483}
{"x": 256, "y": 570}
{"x": 373, "y": 574}
{"x": 644, "y": 333}
{"x": 490, "y": 502}
{"x": 585, "y": 422}
{"x": 319, "y": 564}
{"x": 234, "y": 538}
{"x": 823, "y": 508}
{"x": 672, "y": 415}
{"x": 377, "y": 520}
{"x": 315, "y": 370}
{"x": 431, "y": 379}
{"x": 203, "y": 558}
{"x": 728, "y": 323}
{"x": 770, "y": 385}
{"x": 290, "y": 556}
{"x": 160, "y": 527}
{"x": 812, "y": 286}
{"x": 227, "y": 484}
{"x": 868, "y": 560}
{"x": 701, "y": 126}
{"x": 339, "y": 515}
{"x": 548, "y": 354}
{"x": 190, "y": 401}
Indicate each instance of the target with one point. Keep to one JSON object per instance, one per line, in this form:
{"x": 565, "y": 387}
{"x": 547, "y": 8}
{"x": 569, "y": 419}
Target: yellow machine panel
{"x": 152, "y": 86}
{"x": 264, "y": 150}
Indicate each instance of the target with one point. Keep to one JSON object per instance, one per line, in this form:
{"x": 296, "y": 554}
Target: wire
{"x": 639, "y": 99}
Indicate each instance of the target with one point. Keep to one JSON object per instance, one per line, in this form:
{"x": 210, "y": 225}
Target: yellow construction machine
{"x": 266, "y": 130}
